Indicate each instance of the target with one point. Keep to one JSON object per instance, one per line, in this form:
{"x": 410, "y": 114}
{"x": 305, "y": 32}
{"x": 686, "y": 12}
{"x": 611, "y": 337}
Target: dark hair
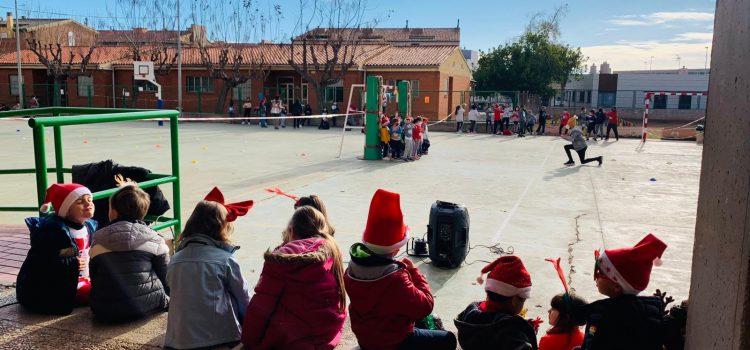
{"x": 130, "y": 202}
{"x": 209, "y": 218}
{"x": 571, "y": 308}
{"x": 315, "y": 202}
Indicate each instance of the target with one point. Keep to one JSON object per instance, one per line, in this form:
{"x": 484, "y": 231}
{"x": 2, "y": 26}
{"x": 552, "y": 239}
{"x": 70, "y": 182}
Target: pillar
{"x": 372, "y": 136}
{"x": 719, "y": 313}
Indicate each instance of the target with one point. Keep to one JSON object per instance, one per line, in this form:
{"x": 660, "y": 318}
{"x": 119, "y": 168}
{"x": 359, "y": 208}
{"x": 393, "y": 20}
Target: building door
{"x": 286, "y": 94}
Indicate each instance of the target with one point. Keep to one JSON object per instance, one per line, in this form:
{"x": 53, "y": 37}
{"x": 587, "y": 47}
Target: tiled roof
{"x": 140, "y": 36}
{"x": 270, "y": 54}
{"x": 411, "y": 56}
{"x": 426, "y": 36}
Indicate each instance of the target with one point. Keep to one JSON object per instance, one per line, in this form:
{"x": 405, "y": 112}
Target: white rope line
{"x": 240, "y": 118}
{"x": 441, "y": 120}
{"x": 688, "y": 124}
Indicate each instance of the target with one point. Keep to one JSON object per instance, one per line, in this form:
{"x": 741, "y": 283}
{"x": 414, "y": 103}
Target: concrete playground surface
{"x": 519, "y": 196}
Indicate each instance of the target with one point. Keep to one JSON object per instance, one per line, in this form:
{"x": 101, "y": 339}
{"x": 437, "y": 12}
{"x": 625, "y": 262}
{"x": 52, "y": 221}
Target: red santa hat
{"x": 507, "y": 277}
{"x": 234, "y": 210}
{"x": 630, "y": 267}
{"x": 385, "y": 231}
{"x": 61, "y": 197}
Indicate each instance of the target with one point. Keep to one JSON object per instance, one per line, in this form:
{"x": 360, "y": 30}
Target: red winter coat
{"x": 383, "y": 311}
{"x": 295, "y": 305}
{"x": 497, "y": 114}
{"x": 612, "y": 116}
{"x": 555, "y": 340}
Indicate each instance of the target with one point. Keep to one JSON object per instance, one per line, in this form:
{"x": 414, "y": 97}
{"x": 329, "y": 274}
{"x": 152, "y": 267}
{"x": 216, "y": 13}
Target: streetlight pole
{"x": 705, "y": 64}
{"x": 179, "y": 61}
{"x": 18, "y": 57}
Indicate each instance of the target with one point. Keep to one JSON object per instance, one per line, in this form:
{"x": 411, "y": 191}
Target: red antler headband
{"x": 560, "y": 273}
{"x": 234, "y": 210}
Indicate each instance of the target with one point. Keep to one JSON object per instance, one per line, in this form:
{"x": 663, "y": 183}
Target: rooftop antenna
{"x": 407, "y": 24}
{"x": 458, "y": 23}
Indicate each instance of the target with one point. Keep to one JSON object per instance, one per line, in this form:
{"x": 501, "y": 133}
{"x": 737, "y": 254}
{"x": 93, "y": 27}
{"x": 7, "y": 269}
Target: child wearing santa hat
{"x": 54, "y": 275}
{"x": 387, "y": 296}
{"x": 625, "y": 320}
{"x": 495, "y": 323}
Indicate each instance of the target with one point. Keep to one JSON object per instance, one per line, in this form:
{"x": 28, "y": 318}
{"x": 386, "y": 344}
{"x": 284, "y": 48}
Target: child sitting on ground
{"x": 388, "y": 296}
{"x": 208, "y": 296}
{"x": 624, "y": 320}
{"x": 128, "y": 261}
{"x": 495, "y": 323}
{"x": 300, "y": 300}
{"x": 566, "y": 315}
{"x": 54, "y": 275}
{"x": 385, "y": 137}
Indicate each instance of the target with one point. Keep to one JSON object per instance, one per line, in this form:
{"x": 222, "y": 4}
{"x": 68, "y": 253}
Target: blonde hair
{"x": 209, "y": 218}
{"x": 309, "y": 222}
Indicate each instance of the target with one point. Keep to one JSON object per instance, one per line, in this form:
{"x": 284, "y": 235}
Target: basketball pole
{"x": 179, "y": 62}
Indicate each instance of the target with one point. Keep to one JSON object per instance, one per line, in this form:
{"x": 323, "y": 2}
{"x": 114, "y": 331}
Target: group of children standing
{"x": 407, "y": 140}
{"x": 300, "y": 301}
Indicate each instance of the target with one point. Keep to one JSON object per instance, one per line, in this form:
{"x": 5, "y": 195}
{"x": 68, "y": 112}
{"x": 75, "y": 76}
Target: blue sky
{"x": 625, "y": 33}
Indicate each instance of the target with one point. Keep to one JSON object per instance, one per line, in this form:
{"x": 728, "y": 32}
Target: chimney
{"x": 407, "y": 23}
{"x": 592, "y": 70}
{"x": 605, "y": 69}
{"x": 9, "y": 16}
{"x": 139, "y": 30}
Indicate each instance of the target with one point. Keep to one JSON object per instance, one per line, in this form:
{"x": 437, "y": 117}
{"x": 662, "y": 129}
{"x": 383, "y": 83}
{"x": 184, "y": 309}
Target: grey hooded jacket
{"x": 128, "y": 272}
{"x": 208, "y": 294}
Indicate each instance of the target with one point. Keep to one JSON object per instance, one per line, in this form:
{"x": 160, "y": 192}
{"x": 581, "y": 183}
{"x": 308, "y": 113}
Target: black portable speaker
{"x": 448, "y": 234}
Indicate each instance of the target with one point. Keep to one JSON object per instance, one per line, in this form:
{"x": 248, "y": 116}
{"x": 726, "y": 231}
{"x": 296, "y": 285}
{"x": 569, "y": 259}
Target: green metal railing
{"x": 57, "y": 117}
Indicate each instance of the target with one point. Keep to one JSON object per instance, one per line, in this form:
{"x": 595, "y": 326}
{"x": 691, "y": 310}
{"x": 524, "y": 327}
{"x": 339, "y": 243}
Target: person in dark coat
{"x": 625, "y": 320}
{"x": 542, "y": 128}
{"x": 297, "y": 111}
{"x": 495, "y": 323}
{"x": 308, "y": 112}
{"x": 128, "y": 262}
{"x": 53, "y": 278}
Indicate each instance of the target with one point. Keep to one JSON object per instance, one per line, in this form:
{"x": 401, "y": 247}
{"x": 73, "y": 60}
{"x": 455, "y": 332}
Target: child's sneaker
{"x": 570, "y": 163}
{"x": 600, "y": 159}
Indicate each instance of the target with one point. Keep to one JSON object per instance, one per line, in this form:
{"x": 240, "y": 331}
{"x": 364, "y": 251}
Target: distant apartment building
{"x": 391, "y": 36}
{"x": 65, "y": 32}
{"x": 627, "y": 89}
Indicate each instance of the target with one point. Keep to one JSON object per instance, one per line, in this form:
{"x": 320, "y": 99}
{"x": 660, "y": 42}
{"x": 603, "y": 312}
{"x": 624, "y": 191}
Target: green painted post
{"x": 41, "y": 164}
{"x": 57, "y": 130}
{"x": 372, "y": 139}
{"x": 175, "y": 145}
{"x": 403, "y": 99}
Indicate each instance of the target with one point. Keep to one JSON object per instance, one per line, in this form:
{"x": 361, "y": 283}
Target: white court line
{"x": 496, "y": 237}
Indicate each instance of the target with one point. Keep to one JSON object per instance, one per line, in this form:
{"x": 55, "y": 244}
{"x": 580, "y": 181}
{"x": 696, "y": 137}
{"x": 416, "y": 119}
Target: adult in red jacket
{"x": 612, "y": 121}
{"x": 388, "y": 296}
{"x": 298, "y": 303}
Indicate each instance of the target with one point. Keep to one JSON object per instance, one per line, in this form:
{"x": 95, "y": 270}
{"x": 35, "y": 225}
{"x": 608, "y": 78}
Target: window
{"x": 581, "y": 96}
{"x": 685, "y": 102}
{"x": 334, "y": 93}
{"x": 14, "y": 85}
{"x": 71, "y": 39}
{"x": 304, "y": 93}
{"x": 660, "y": 101}
{"x": 588, "y": 96}
{"x": 607, "y": 99}
{"x": 200, "y": 84}
{"x": 242, "y": 91}
{"x": 415, "y": 88}
{"x": 85, "y": 85}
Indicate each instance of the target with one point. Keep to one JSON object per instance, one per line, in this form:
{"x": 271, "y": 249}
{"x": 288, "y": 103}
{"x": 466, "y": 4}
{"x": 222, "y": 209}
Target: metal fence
{"x": 624, "y": 99}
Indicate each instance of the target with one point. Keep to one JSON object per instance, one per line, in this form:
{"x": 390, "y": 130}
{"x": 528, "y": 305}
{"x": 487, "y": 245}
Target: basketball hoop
{"x": 144, "y": 71}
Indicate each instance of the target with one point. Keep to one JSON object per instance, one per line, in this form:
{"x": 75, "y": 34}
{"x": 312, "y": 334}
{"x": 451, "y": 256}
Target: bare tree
{"x": 146, "y": 27}
{"x": 324, "y": 55}
{"x": 62, "y": 63}
{"x": 232, "y": 58}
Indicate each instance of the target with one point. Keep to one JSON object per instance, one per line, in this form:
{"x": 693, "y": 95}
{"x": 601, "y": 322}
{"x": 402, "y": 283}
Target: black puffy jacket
{"x": 128, "y": 272}
{"x": 478, "y": 330}
{"x": 623, "y": 323}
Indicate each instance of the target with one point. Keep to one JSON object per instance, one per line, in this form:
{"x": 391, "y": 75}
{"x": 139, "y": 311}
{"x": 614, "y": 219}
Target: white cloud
{"x": 636, "y": 55}
{"x": 661, "y": 18}
{"x": 704, "y": 37}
